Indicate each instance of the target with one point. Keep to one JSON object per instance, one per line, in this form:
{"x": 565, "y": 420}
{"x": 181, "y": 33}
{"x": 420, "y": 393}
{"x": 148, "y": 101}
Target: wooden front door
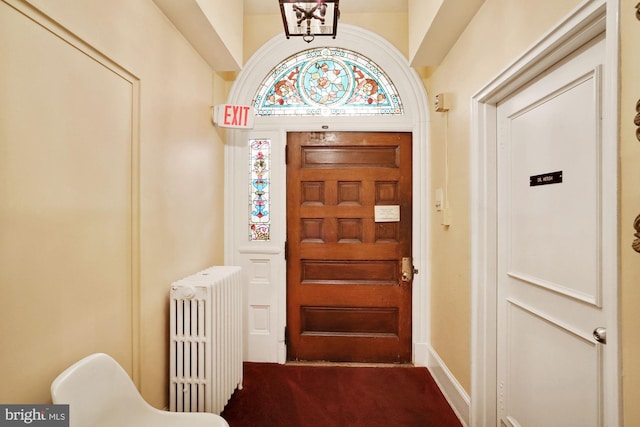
{"x": 348, "y": 228}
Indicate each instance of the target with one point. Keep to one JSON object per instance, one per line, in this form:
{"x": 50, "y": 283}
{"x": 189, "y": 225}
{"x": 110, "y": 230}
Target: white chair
{"x": 101, "y": 394}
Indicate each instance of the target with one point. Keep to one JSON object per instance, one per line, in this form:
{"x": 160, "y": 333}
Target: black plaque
{"x": 545, "y": 179}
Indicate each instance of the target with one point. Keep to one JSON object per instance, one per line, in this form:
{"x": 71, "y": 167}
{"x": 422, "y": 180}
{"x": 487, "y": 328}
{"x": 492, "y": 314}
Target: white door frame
{"x": 269, "y": 292}
{"x": 591, "y": 18}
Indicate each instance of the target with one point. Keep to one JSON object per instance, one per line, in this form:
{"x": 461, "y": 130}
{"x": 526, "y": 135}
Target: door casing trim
{"x": 415, "y": 120}
{"x": 588, "y": 20}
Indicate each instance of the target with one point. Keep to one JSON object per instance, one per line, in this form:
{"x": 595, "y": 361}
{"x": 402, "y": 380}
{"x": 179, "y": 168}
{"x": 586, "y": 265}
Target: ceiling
{"x": 266, "y": 7}
{"x": 441, "y": 31}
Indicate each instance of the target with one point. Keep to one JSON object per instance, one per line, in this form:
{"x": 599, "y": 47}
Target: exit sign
{"x": 233, "y": 116}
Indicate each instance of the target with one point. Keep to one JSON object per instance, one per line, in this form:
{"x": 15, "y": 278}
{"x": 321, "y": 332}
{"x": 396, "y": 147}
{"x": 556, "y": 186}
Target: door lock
{"x": 407, "y": 269}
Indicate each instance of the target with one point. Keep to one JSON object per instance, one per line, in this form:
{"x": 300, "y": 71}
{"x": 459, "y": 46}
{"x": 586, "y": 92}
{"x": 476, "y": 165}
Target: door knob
{"x": 600, "y": 335}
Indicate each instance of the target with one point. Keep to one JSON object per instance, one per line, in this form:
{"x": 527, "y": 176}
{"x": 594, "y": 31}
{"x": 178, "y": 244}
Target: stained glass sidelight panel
{"x": 329, "y": 82}
{"x": 259, "y": 189}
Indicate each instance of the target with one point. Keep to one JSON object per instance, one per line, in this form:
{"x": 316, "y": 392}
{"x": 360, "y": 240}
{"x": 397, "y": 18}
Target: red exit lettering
{"x": 238, "y": 116}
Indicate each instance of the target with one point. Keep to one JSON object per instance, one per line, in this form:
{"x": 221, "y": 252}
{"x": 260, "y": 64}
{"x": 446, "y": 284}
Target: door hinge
{"x": 286, "y": 154}
{"x": 286, "y": 250}
{"x": 286, "y": 335}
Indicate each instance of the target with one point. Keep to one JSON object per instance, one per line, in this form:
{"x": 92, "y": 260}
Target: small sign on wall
{"x": 387, "y": 213}
{"x": 233, "y": 116}
{"x": 545, "y": 179}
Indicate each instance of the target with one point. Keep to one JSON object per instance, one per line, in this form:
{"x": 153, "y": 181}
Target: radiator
{"x": 205, "y": 340}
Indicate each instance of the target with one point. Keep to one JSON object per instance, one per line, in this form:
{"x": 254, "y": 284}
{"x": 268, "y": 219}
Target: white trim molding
{"x": 451, "y": 389}
{"x": 588, "y": 20}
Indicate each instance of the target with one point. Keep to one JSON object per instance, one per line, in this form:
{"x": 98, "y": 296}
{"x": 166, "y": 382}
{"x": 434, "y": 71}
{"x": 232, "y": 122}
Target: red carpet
{"x": 335, "y": 396}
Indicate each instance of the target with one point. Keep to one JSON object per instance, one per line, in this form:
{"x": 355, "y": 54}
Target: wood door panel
{"x": 366, "y": 157}
{"x": 362, "y": 321}
{"x": 349, "y": 272}
{"x": 348, "y": 348}
{"x": 349, "y": 193}
{"x": 373, "y": 251}
{"x": 337, "y": 211}
{"x": 349, "y": 295}
{"x": 348, "y": 229}
{"x": 387, "y": 232}
{"x": 345, "y": 297}
{"x": 337, "y": 174}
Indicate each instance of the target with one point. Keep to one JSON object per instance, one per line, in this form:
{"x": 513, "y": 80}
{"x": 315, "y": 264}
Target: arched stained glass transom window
{"x": 329, "y": 82}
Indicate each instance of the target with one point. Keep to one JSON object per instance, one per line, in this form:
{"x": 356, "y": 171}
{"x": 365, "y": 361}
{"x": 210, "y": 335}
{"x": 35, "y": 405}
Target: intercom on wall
{"x": 441, "y": 103}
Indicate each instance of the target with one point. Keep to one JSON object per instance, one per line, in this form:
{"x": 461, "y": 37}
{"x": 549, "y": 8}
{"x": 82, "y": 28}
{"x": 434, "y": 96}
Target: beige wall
{"x": 421, "y": 12}
{"x": 226, "y": 17}
{"x": 258, "y": 29}
{"x": 87, "y": 260}
{"x": 629, "y": 209}
{"x": 498, "y": 34}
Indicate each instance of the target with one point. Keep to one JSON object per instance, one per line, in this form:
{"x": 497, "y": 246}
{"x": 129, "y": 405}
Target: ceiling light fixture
{"x": 308, "y": 19}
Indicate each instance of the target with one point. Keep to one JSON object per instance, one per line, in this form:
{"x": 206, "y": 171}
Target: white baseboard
{"x": 421, "y": 354}
{"x": 457, "y": 397}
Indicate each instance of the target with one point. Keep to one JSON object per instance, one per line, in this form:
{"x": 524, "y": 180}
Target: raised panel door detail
{"x": 538, "y": 375}
{"x": 349, "y": 193}
{"x": 312, "y": 230}
{"x": 349, "y": 321}
{"x": 349, "y": 272}
{"x": 387, "y": 232}
{"x": 259, "y": 319}
{"x": 312, "y": 193}
{"x": 387, "y": 192}
{"x": 567, "y": 212}
{"x": 361, "y": 157}
{"x": 350, "y": 230}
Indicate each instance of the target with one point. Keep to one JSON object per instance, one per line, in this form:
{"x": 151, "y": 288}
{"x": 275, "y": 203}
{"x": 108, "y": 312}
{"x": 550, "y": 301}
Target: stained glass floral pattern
{"x": 259, "y": 188}
{"x": 327, "y": 81}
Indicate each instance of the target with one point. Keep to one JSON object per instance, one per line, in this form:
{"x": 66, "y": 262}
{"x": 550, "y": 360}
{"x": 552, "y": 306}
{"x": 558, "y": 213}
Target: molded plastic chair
{"x": 101, "y": 394}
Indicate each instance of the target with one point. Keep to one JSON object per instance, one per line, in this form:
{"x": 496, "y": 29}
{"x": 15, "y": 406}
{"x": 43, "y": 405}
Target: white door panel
{"x": 549, "y": 247}
{"x": 565, "y": 213}
{"x": 548, "y": 373}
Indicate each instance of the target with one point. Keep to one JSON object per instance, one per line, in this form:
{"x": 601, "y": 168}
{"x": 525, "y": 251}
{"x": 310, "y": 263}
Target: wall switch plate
{"x": 438, "y": 199}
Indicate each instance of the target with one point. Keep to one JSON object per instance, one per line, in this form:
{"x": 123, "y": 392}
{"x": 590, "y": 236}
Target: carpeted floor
{"x": 335, "y": 396}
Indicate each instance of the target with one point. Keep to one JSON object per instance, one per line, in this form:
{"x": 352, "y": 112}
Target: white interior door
{"x": 551, "y": 295}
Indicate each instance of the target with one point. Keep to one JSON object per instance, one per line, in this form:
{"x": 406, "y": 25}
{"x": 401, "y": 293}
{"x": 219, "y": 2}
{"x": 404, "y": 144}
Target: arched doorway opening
{"x": 263, "y": 262}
